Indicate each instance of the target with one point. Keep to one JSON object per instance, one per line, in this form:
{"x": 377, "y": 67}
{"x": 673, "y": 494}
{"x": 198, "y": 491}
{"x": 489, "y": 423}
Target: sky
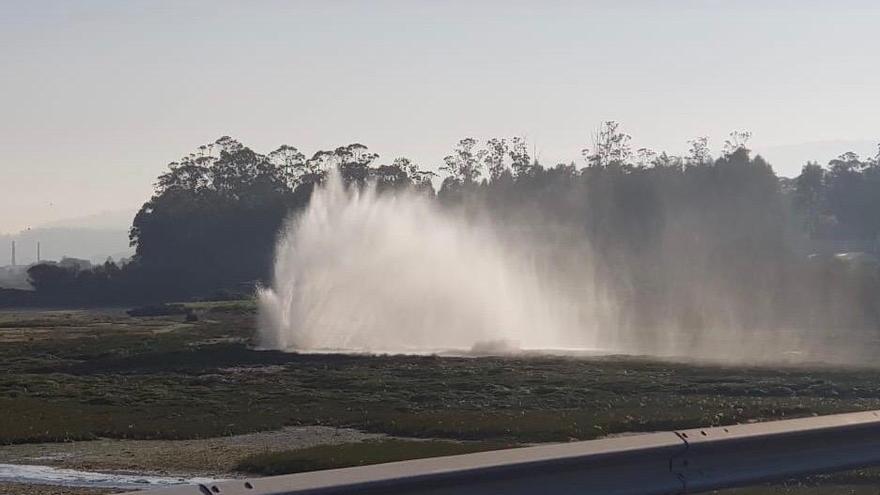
{"x": 96, "y": 97}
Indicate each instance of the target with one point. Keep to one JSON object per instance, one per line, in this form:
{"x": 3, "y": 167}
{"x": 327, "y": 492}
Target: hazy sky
{"x": 96, "y": 97}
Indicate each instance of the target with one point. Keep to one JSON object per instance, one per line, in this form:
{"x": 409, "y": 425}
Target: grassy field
{"x": 77, "y": 375}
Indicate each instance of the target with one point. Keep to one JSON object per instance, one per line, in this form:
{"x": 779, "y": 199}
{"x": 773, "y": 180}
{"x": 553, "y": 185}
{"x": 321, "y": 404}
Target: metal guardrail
{"x": 686, "y": 461}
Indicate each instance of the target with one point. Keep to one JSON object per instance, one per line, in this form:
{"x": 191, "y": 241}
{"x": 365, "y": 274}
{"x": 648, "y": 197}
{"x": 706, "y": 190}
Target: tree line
{"x": 663, "y": 229}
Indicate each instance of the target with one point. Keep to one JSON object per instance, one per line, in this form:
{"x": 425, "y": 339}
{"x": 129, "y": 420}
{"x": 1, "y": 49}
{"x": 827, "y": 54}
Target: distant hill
{"x": 92, "y": 237}
{"x": 95, "y": 245}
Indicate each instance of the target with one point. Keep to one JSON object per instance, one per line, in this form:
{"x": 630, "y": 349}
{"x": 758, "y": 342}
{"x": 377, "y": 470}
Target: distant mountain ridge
{"x": 92, "y": 244}
{"x": 93, "y": 237}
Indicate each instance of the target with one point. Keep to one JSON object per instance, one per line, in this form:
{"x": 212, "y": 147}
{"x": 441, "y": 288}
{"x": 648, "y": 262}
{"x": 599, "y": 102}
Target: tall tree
{"x": 496, "y": 155}
{"x": 809, "y": 196}
{"x": 520, "y": 161}
{"x": 465, "y": 164}
{"x": 611, "y": 147}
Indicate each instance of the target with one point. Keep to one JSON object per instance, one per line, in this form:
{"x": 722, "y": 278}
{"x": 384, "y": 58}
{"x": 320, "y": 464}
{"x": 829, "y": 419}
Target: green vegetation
{"x": 77, "y": 375}
{"x": 158, "y": 310}
{"x": 357, "y": 454}
{"x": 242, "y": 307}
{"x": 82, "y": 375}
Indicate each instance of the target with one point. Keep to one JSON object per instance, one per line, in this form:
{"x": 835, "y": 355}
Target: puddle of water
{"x": 47, "y": 475}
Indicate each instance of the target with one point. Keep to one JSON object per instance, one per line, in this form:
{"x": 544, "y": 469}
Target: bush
{"x": 227, "y": 295}
{"x": 158, "y": 310}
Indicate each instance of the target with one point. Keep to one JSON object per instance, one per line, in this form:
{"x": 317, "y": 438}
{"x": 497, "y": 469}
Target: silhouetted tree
{"x": 611, "y": 147}
{"x": 809, "y": 196}
{"x": 465, "y": 164}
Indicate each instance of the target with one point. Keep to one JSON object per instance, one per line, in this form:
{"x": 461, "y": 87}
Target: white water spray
{"x": 361, "y": 271}
{"x": 358, "y": 271}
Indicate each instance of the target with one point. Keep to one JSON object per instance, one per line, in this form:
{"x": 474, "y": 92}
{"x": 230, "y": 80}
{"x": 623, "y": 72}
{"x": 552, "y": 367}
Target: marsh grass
{"x": 104, "y": 374}
{"x": 357, "y": 454}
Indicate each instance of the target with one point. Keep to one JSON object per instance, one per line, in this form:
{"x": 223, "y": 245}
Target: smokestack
{"x": 38, "y": 252}
{"x": 13, "y": 253}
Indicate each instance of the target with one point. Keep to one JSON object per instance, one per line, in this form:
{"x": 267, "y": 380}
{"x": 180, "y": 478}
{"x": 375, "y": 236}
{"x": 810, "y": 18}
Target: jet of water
{"x": 360, "y": 271}
{"x": 394, "y": 272}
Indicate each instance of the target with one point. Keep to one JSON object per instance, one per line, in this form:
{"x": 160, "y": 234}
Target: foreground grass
{"x": 67, "y": 375}
{"x": 356, "y": 454}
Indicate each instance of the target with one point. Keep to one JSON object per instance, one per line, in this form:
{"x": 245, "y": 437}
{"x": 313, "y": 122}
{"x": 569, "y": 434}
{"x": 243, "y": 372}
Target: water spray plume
{"x": 396, "y": 272}
{"x": 392, "y": 272}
